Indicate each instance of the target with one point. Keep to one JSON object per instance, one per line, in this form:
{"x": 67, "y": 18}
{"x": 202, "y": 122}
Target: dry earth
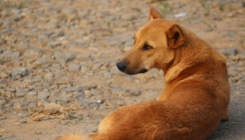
{"x": 57, "y": 61}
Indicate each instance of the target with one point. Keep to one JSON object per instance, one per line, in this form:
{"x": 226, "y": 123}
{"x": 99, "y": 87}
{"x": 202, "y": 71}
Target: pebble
{"x": 2, "y": 41}
{"x": 9, "y": 55}
{"x": 230, "y": 52}
{"x": 31, "y": 106}
{"x": 18, "y": 105}
{"x": 4, "y": 75}
{"x": 23, "y": 121}
{"x": 69, "y": 13}
{"x": 19, "y": 72}
{"x": 1, "y": 51}
{"x": 62, "y": 80}
{"x": 117, "y": 90}
{"x": 74, "y": 67}
{"x": 135, "y": 92}
{"x": 62, "y": 122}
{"x": 216, "y": 17}
{"x": 38, "y": 132}
{"x": 3, "y": 101}
{"x": 49, "y": 76}
{"x": 2, "y": 130}
{"x": 2, "y": 110}
{"x": 20, "y": 93}
{"x": 43, "y": 94}
{"x": 65, "y": 59}
{"x": 3, "y": 117}
{"x": 73, "y": 89}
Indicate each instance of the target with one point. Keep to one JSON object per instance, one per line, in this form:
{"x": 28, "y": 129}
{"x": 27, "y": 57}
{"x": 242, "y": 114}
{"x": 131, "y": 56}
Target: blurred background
{"x": 57, "y": 61}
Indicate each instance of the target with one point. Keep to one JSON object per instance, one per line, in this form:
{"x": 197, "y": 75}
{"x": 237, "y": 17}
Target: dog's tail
{"x": 73, "y": 137}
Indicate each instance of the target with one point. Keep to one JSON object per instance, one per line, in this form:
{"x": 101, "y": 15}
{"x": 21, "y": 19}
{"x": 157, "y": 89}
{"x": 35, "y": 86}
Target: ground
{"x": 57, "y": 61}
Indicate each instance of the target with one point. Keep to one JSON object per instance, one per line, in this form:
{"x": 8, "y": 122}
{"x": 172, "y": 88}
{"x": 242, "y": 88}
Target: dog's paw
{"x": 225, "y": 118}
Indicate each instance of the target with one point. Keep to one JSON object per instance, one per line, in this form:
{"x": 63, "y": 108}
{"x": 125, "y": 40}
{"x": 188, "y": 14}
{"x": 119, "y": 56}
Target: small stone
{"x": 62, "y": 123}
{"x": 230, "y": 15}
{"x": 3, "y": 82}
{"x": 38, "y": 132}
{"x": 74, "y": 67}
{"x": 22, "y": 114}
{"x": 87, "y": 94}
{"x": 73, "y": 89}
{"x": 7, "y": 31}
{"x": 2, "y": 41}
{"x": 120, "y": 103}
{"x": 3, "y": 101}
{"x": 22, "y": 72}
{"x": 37, "y": 117}
{"x": 63, "y": 101}
{"x": 41, "y": 61}
{"x": 62, "y": 80}
{"x": 1, "y": 51}
{"x": 229, "y": 52}
{"x": 18, "y": 105}
{"x": 104, "y": 31}
{"x": 217, "y": 17}
{"x": 4, "y": 75}
{"x": 51, "y": 108}
{"x": 35, "y": 52}
{"x": 2, "y": 110}
{"x": 73, "y": 122}
{"x": 243, "y": 3}
{"x": 23, "y": 121}
{"x": 43, "y": 94}
{"x": 20, "y": 93}
{"x": 31, "y": 106}
{"x": 2, "y": 130}
{"x": 48, "y": 76}
{"x": 94, "y": 91}
{"x": 127, "y": 17}
{"x": 3, "y": 117}
{"x": 65, "y": 59}
{"x": 9, "y": 55}
{"x": 36, "y": 79}
{"x": 117, "y": 90}
{"x": 50, "y": 25}
{"x": 135, "y": 92}
{"x": 94, "y": 105}
{"x": 56, "y": 66}
{"x": 33, "y": 92}
{"x": 46, "y": 118}
{"x": 99, "y": 101}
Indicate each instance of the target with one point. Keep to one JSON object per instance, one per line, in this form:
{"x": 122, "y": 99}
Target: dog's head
{"x": 154, "y": 46}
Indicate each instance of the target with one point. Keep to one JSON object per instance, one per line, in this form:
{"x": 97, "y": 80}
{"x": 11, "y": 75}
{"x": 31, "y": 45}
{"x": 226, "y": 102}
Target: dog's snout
{"x": 121, "y": 66}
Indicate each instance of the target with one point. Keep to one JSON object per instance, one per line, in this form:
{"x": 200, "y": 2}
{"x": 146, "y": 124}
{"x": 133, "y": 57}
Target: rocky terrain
{"x": 57, "y": 61}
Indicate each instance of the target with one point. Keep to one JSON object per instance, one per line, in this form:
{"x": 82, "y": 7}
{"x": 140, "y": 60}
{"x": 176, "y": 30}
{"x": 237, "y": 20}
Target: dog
{"x": 196, "y": 89}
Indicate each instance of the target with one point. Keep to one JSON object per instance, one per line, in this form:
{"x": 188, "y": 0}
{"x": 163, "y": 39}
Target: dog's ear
{"x": 175, "y": 37}
{"x": 153, "y": 14}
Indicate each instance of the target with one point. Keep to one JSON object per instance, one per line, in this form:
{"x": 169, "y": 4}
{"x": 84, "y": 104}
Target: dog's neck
{"x": 186, "y": 56}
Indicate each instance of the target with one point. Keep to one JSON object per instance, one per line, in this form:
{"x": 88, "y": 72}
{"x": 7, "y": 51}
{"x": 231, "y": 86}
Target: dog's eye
{"x": 146, "y": 47}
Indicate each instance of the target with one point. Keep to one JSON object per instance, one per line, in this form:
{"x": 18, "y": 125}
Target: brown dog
{"x": 196, "y": 91}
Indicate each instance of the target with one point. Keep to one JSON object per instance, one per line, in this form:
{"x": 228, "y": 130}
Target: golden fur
{"x": 196, "y": 90}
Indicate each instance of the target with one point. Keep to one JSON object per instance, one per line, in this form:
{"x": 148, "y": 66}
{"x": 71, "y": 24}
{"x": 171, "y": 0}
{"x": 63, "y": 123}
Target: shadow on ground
{"x": 235, "y": 128}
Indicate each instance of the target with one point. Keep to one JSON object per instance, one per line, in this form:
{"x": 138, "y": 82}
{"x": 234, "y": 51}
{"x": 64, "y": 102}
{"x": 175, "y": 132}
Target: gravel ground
{"x": 57, "y": 61}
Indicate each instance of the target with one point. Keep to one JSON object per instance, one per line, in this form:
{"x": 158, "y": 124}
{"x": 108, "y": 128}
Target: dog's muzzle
{"x": 122, "y": 66}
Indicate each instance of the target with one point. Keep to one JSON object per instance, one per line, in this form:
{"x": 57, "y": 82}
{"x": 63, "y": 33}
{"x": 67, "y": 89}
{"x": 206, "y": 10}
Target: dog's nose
{"x": 121, "y": 66}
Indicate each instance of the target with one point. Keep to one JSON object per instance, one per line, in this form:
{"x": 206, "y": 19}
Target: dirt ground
{"x": 57, "y": 61}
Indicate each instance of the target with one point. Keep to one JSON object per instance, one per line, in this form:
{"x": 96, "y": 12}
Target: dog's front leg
{"x": 225, "y": 117}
